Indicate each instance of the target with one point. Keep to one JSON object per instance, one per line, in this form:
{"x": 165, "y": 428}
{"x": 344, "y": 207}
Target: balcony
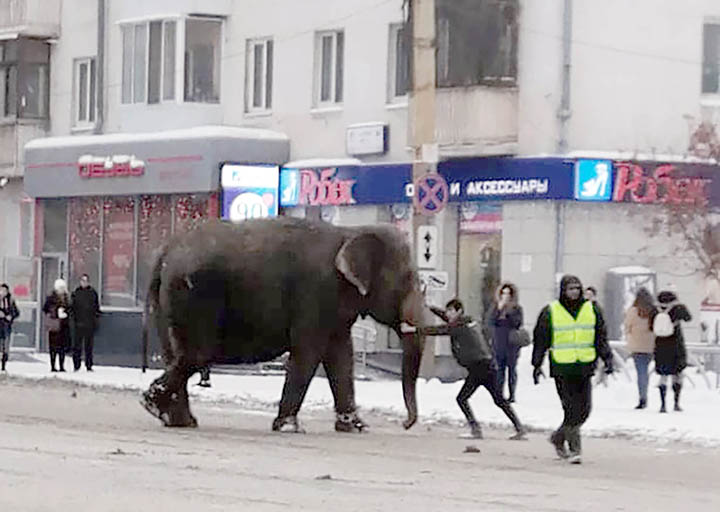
{"x": 477, "y": 120}
{"x": 35, "y": 18}
{"x": 13, "y": 137}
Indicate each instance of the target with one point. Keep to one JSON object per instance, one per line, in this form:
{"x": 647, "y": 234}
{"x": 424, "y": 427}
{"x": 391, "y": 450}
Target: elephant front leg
{"x": 340, "y": 369}
{"x": 167, "y": 399}
{"x": 301, "y": 369}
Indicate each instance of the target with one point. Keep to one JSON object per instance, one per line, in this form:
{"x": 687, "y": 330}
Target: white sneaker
{"x": 575, "y": 458}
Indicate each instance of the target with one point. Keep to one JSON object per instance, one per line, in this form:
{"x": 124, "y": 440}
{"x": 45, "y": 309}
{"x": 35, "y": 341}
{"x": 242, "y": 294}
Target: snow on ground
{"x": 538, "y": 406}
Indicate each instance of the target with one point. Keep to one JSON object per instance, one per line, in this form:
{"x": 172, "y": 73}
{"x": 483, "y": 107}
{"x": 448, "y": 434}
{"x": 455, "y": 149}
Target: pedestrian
{"x": 506, "y": 316}
{"x": 573, "y": 330}
{"x": 8, "y": 313}
{"x": 205, "y": 377}
{"x": 640, "y": 339}
{"x": 85, "y": 313}
{"x": 475, "y": 354}
{"x": 670, "y": 353}
{"x": 56, "y": 309}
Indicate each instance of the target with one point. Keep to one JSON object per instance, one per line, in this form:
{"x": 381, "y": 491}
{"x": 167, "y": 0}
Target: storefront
{"x": 106, "y": 205}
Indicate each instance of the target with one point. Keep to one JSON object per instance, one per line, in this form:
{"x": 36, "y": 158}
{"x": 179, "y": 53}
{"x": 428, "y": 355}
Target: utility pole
{"x": 422, "y": 124}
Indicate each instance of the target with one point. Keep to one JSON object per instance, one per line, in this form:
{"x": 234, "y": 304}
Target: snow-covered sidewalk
{"x": 538, "y": 406}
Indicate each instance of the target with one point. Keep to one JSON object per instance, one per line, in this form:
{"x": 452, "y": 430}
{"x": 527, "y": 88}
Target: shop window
{"x": 329, "y": 65}
{"x": 154, "y": 230}
{"x": 202, "y": 60}
{"x": 148, "y": 66}
{"x": 118, "y": 263}
{"x": 190, "y": 211}
{"x": 476, "y": 42}
{"x": 398, "y": 64}
{"x": 85, "y": 95}
{"x": 24, "y": 78}
{"x": 711, "y": 59}
{"x": 258, "y": 94}
{"x": 84, "y": 251}
{"x": 54, "y": 225}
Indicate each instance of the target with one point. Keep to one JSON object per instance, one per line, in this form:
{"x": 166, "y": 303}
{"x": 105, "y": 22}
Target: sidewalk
{"x": 538, "y": 406}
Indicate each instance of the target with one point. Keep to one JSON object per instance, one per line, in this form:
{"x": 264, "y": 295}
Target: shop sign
{"x": 593, "y": 180}
{"x": 366, "y": 139}
{"x": 249, "y": 191}
{"x": 316, "y": 187}
{"x": 90, "y": 166}
{"x": 480, "y": 218}
{"x": 662, "y": 183}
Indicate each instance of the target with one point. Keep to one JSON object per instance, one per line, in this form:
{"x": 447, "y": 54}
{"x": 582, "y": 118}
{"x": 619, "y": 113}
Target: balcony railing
{"x": 38, "y": 18}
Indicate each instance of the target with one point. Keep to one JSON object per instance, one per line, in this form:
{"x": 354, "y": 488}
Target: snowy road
{"x": 68, "y": 447}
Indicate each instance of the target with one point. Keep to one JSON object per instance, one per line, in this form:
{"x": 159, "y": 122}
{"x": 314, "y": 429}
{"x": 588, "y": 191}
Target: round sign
{"x": 431, "y": 194}
{"x": 248, "y": 205}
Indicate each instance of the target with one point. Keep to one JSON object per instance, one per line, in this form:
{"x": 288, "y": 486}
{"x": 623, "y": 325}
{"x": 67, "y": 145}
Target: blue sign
{"x": 593, "y": 180}
{"x": 477, "y": 179}
{"x": 249, "y": 192}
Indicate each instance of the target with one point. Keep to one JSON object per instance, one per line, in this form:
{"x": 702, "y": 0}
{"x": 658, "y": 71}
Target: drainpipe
{"x": 564, "y": 115}
{"x": 100, "y": 68}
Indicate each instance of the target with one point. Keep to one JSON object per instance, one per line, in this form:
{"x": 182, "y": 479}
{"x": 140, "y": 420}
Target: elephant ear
{"x": 359, "y": 260}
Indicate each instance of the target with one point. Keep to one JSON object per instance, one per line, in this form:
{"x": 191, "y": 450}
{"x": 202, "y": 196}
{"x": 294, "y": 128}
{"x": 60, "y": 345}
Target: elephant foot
{"x": 168, "y": 409}
{"x": 349, "y": 423}
{"x": 279, "y": 425}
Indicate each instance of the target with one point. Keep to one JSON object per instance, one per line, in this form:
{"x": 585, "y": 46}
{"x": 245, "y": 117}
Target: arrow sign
{"x": 427, "y": 247}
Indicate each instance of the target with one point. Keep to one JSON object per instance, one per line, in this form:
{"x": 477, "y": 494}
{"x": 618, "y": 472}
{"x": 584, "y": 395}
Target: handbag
{"x": 52, "y": 324}
{"x": 519, "y": 337}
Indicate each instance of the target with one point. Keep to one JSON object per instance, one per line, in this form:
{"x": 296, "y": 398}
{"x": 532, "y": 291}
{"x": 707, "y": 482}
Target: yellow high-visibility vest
{"x": 573, "y": 339}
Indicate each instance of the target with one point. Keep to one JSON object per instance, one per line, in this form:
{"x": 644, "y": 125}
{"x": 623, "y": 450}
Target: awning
{"x": 168, "y": 162}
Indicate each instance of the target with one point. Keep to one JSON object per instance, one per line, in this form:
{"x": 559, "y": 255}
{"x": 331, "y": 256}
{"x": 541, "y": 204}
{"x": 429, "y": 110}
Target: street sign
{"x": 431, "y": 194}
{"x": 434, "y": 280}
{"x": 427, "y": 246}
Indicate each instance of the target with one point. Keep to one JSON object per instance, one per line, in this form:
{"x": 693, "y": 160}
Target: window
{"x": 24, "y": 78}
{"x": 118, "y": 263}
{"x": 329, "y": 63}
{"x": 154, "y": 229}
{"x": 258, "y": 91}
{"x": 54, "y": 221}
{"x": 476, "y": 42}
{"x": 148, "y": 65}
{"x": 398, "y": 64}
{"x": 84, "y": 91}
{"x": 711, "y": 59}
{"x": 202, "y": 60}
{"x": 84, "y": 226}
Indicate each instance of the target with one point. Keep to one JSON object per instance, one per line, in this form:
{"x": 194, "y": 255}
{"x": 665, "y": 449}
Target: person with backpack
{"x": 475, "y": 354}
{"x": 670, "y": 353}
{"x": 640, "y": 339}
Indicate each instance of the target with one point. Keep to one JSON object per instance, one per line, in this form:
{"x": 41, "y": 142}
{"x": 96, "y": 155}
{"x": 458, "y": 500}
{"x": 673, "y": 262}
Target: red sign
{"x": 111, "y": 166}
{"x": 431, "y": 194}
{"x": 662, "y": 185}
{"x": 324, "y": 189}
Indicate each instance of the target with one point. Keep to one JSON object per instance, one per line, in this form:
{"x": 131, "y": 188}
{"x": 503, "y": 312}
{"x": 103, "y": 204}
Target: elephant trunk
{"x": 412, "y": 354}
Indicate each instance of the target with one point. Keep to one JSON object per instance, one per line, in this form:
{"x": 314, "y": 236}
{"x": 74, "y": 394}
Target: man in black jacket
{"x": 85, "y": 311}
{"x": 573, "y": 330}
{"x": 8, "y": 313}
{"x": 476, "y": 355}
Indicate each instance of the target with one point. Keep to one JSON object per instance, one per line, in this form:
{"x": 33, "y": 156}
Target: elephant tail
{"x": 152, "y": 301}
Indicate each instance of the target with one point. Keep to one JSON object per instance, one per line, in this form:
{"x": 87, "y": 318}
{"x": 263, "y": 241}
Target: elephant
{"x": 248, "y": 292}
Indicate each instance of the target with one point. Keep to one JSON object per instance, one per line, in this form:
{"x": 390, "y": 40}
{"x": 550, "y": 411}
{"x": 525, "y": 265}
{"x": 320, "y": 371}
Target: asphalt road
{"x": 69, "y": 448}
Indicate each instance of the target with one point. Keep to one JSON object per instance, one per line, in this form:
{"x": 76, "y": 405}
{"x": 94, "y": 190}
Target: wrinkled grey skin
{"x": 250, "y": 292}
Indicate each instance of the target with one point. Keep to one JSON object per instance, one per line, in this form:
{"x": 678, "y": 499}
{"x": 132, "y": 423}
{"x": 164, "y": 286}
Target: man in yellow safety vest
{"x": 573, "y": 330}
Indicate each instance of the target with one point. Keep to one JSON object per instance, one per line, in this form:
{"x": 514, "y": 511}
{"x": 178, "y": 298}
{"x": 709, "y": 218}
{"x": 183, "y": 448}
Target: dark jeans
{"x": 507, "y": 361}
{"x": 84, "y": 339}
{"x": 482, "y": 374}
{"x": 576, "y": 396}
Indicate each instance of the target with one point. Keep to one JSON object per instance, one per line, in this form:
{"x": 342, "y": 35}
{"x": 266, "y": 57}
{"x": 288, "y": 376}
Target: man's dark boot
{"x": 573, "y": 437}
{"x": 663, "y": 392}
{"x": 677, "y": 387}
{"x": 475, "y": 430}
{"x": 4, "y": 361}
{"x": 558, "y": 441}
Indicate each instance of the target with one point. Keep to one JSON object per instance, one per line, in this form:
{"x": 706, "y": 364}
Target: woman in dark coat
{"x": 506, "y": 316}
{"x": 57, "y": 309}
{"x": 670, "y": 353}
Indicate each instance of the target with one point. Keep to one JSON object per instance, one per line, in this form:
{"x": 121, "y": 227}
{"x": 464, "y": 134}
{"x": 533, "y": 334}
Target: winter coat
{"x": 502, "y": 322}
{"x": 52, "y": 303}
{"x": 639, "y": 336}
{"x": 670, "y": 352}
{"x": 10, "y": 313}
{"x": 469, "y": 347}
{"x": 85, "y": 307}
{"x": 543, "y": 335}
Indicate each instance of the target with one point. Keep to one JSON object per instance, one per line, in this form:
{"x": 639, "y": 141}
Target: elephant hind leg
{"x": 339, "y": 367}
